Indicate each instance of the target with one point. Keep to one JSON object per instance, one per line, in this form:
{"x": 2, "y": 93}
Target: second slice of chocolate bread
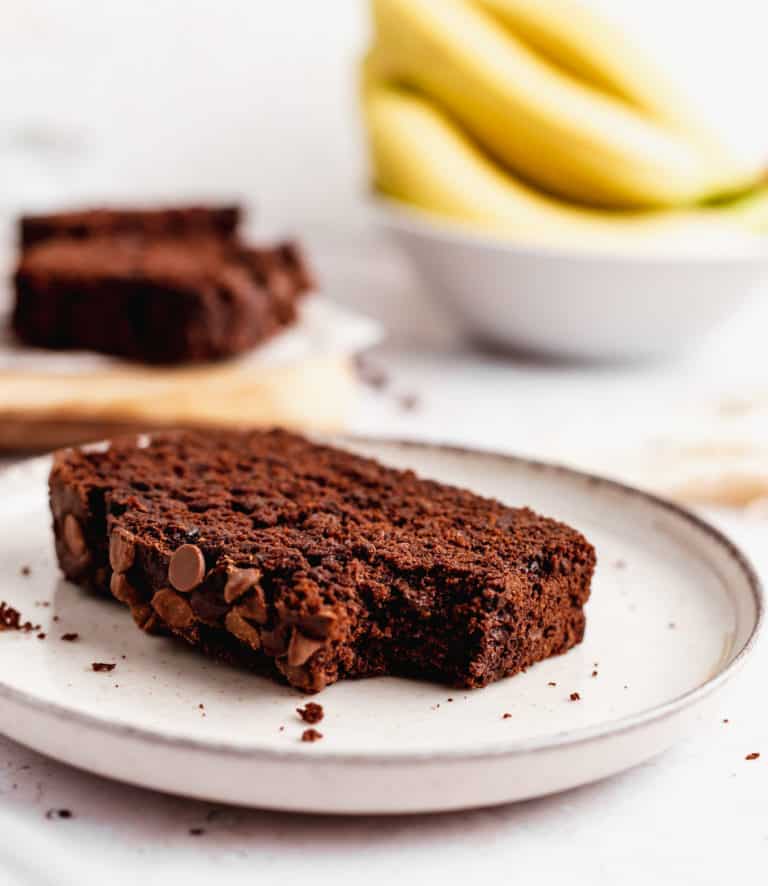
{"x": 157, "y": 300}
{"x": 313, "y": 564}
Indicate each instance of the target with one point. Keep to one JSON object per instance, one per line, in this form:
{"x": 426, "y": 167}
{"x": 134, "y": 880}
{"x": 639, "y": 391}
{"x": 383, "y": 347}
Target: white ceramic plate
{"x": 674, "y": 611}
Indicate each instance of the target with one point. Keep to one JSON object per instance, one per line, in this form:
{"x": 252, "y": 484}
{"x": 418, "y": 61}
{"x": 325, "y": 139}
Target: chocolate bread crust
{"x": 157, "y": 300}
{"x": 182, "y": 221}
{"x": 311, "y": 564}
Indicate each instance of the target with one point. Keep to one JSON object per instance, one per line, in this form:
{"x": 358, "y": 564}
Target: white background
{"x": 256, "y": 99}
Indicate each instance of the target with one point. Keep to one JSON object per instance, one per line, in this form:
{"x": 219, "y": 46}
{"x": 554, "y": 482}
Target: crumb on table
{"x": 10, "y": 620}
{"x": 311, "y": 712}
{"x": 409, "y": 402}
{"x": 58, "y": 813}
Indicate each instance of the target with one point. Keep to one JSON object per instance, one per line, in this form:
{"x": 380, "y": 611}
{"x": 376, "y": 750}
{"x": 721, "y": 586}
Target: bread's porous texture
{"x": 311, "y": 564}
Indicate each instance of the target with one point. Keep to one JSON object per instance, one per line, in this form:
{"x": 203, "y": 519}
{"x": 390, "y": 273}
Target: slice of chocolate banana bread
{"x": 159, "y": 300}
{"x": 179, "y": 221}
{"x": 311, "y": 563}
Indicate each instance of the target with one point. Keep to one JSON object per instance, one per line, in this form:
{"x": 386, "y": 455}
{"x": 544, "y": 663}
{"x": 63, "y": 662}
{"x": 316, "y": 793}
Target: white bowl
{"x": 575, "y": 304}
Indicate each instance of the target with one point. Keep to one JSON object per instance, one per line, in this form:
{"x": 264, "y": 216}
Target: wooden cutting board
{"x": 303, "y": 379}
{"x": 45, "y": 411}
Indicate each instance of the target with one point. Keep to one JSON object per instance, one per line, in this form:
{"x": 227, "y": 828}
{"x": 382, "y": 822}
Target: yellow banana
{"x": 542, "y": 123}
{"x": 422, "y": 158}
{"x": 572, "y": 36}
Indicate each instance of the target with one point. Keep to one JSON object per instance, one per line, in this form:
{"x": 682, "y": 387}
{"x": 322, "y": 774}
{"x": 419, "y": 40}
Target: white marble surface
{"x": 695, "y": 815}
{"x": 97, "y": 99}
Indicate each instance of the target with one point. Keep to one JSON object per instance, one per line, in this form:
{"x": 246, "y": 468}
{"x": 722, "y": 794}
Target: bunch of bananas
{"x": 537, "y": 119}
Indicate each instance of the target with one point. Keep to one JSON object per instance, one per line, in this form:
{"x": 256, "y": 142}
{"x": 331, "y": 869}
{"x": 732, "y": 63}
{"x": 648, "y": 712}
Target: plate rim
{"x": 517, "y": 748}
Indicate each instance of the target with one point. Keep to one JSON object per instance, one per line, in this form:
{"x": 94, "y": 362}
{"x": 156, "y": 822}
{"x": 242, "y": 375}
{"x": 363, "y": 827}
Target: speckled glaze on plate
{"x": 674, "y": 612}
